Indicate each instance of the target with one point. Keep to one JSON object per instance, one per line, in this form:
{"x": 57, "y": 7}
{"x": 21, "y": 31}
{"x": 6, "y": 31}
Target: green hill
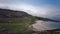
{"x": 9, "y": 16}
{"x": 15, "y": 22}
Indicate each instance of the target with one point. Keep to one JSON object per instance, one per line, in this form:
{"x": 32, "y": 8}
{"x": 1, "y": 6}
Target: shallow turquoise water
{"x": 52, "y": 24}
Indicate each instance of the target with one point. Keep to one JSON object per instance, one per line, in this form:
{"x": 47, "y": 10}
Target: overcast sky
{"x": 42, "y": 8}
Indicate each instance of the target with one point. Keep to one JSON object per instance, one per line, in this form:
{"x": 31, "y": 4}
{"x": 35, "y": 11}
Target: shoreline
{"x": 38, "y": 26}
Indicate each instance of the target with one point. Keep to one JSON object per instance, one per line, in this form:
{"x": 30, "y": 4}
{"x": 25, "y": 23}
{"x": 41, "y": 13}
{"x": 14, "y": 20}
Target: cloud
{"x": 46, "y": 11}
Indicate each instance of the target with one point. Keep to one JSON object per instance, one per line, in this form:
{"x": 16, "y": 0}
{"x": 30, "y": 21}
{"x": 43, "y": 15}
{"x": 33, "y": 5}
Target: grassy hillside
{"x": 17, "y": 28}
{"x": 15, "y": 22}
{"x": 10, "y": 16}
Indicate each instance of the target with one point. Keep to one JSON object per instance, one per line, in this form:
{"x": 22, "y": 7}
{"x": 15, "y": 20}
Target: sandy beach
{"x": 38, "y": 26}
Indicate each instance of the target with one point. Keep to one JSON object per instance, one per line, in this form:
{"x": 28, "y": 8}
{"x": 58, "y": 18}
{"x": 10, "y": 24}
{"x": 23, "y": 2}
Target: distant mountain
{"x": 6, "y": 13}
{"x": 46, "y": 19}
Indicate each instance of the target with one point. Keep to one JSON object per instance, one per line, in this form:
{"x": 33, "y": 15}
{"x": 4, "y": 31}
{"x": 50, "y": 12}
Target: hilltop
{"x": 7, "y": 15}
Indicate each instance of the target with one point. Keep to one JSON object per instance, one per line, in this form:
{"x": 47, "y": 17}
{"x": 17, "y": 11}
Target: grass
{"x": 17, "y": 28}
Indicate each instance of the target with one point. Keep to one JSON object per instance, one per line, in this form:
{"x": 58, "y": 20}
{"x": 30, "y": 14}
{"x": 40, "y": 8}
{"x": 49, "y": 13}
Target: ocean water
{"x": 51, "y": 24}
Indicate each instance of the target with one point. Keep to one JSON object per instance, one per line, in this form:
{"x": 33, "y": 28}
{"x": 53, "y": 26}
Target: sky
{"x": 41, "y": 8}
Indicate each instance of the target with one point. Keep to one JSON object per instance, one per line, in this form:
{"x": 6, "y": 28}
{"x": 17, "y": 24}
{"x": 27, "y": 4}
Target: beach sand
{"x": 38, "y": 26}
